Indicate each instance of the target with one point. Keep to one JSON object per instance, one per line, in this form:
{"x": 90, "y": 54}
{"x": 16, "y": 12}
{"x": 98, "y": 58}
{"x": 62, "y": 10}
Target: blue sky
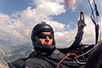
{"x": 17, "y": 18}
{"x": 9, "y": 6}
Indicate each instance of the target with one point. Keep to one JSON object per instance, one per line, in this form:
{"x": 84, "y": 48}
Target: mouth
{"x": 47, "y": 44}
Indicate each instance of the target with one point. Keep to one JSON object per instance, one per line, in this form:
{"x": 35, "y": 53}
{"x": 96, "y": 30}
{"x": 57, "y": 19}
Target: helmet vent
{"x": 43, "y": 22}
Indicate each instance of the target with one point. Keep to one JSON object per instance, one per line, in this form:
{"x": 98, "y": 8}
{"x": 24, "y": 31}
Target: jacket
{"x": 47, "y": 61}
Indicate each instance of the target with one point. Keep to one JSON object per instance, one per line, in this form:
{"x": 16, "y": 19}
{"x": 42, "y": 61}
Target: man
{"x": 46, "y": 55}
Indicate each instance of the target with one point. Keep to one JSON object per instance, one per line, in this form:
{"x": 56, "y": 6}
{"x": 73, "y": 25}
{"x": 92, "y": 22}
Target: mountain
{"x": 20, "y": 51}
{"x": 13, "y": 49}
{"x": 11, "y": 41}
{"x": 3, "y": 64}
{"x": 14, "y": 45}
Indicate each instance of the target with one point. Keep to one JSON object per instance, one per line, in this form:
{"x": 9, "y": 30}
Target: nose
{"x": 47, "y": 38}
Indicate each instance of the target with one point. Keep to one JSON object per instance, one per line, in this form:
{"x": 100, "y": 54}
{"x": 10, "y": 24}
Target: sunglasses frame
{"x": 43, "y": 36}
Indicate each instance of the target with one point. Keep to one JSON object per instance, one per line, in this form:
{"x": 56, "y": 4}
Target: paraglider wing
{"x": 70, "y": 3}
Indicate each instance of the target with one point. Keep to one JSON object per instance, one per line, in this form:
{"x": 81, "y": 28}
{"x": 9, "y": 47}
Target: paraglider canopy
{"x": 70, "y": 3}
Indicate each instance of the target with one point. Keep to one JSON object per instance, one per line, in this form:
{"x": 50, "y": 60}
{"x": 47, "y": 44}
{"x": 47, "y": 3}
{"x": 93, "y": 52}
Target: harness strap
{"x": 67, "y": 55}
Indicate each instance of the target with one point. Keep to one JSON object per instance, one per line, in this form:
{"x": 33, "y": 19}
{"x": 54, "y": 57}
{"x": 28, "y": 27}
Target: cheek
{"x": 42, "y": 41}
{"x": 51, "y": 41}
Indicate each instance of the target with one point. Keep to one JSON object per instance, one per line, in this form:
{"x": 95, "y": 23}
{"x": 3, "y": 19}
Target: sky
{"x": 18, "y": 17}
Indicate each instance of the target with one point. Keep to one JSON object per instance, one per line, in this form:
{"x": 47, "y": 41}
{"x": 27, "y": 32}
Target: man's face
{"x": 46, "y": 38}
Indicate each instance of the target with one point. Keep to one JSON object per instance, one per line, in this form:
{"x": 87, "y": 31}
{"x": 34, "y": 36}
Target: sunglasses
{"x": 43, "y": 36}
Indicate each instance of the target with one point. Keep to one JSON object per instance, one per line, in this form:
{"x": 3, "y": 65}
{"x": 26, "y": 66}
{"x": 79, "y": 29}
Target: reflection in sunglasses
{"x": 43, "y": 36}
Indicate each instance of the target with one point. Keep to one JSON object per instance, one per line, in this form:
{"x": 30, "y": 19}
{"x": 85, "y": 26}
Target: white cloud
{"x": 49, "y": 7}
{"x": 89, "y": 31}
{"x": 5, "y": 23}
{"x": 66, "y": 38}
{"x": 57, "y": 26}
{"x": 19, "y": 25}
{"x": 63, "y": 38}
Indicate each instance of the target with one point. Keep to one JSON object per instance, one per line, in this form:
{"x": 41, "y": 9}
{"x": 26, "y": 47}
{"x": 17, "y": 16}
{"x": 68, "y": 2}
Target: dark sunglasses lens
{"x": 43, "y": 36}
{"x": 50, "y": 36}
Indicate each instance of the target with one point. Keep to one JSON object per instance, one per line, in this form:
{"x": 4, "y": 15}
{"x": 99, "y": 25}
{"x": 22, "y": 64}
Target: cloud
{"x": 66, "y": 38}
{"x": 89, "y": 36}
{"x": 89, "y": 31}
{"x": 18, "y": 26}
{"x": 59, "y": 28}
{"x": 49, "y": 7}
